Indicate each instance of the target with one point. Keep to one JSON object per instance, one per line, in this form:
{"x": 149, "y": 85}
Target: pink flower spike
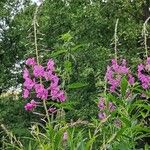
{"x": 140, "y": 67}
{"x": 38, "y": 71}
{"x": 54, "y": 92}
{"x": 50, "y": 65}
{"x": 52, "y": 110}
{"x": 131, "y": 79}
{"x": 115, "y": 73}
{"x": 30, "y": 61}
{"x": 44, "y": 96}
{"x": 101, "y": 104}
{"x": 48, "y": 75}
{"x": 112, "y": 89}
{"x": 28, "y": 107}
{"x": 113, "y": 61}
{"x": 25, "y": 93}
{"x": 148, "y": 60}
{"x": 55, "y": 78}
{"x": 54, "y": 81}
{"x": 102, "y": 115}
{"x": 111, "y": 107}
{"x": 117, "y": 123}
{"x": 34, "y": 103}
{"x": 145, "y": 86}
{"x": 41, "y": 91}
{"x": 65, "y": 136}
{"x": 61, "y": 96}
{"x": 123, "y": 70}
{"x": 124, "y": 62}
{"x": 28, "y": 83}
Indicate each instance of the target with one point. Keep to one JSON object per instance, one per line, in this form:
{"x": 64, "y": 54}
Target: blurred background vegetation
{"x": 79, "y": 36}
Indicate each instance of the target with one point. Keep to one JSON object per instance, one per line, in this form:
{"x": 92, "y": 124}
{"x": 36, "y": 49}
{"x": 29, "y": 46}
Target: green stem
{"x": 116, "y": 39}
{"x": 37, "y": 56}
{"x": 145, "y": 36}
{"x": 47, "y": 115}
{"x": 35, "y": 35}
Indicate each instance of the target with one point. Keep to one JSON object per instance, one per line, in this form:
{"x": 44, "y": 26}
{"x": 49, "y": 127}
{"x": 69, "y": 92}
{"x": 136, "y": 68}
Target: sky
{"x": 38, "y": 2}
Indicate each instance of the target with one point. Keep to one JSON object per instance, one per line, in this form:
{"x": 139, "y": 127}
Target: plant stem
{"x": 47, "y": 115}
{"x": 37, "y": 56}
{"x": 145, "y": 36}
{"x": 35, "y": 35}
{"x": 116, "y": 39}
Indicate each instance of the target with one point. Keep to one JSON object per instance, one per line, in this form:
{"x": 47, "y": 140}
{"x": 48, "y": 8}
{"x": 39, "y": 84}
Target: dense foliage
{"x": 82, "y": 38}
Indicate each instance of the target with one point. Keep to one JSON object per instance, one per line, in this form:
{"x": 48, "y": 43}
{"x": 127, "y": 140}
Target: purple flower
{"x": 34, "y": 103}
{"x": 50, "y": 65}
{"x": 102, "y": 115}
{"x": 101, "y": 103}
{"x": 140, "y": 67}
{"x": 61, "y": 96}
{"x": 28, "y": 83}
{"x": 111, "y": 106}
{"x": 114, "y": 62}
{"x": 44, "y": 94}
{"x": 30, "y": 61}
{"x": 123, "y": 70}
{"x": 52, "y": 110}
{"x": 124, "y": 62}
{"x": 30, "y": 106}
{"x": 54, "y": 80}
{"x": 109, "y": 73}
{"x": 145, "y": 85}
{"x": 65, "y": 136}
{"x": 115, "y": 72}
{"x": 144, "y": 78}
{"x": 48, "y": 75}
{"x": 112, "y": 89}
{"x": 38, "y": 71}
{"x": 54, "y": 92}
{"x": 117, "y": 123}
{"x": 148, "y": 60}
{"x": 41, "y": 91}
{"x": 25, "y": 93}
{"x": 131, "y": 79}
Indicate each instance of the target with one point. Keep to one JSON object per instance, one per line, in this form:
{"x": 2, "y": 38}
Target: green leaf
{"x": 120, "y": 132}
{"x": 124, "y": 85}
{"x": 90, "y": 142}
{"x": 68, "y": 66}
{"x": 67, "y": 105}
{"x": 66, "y": 37}
{"x": 76, "y": 85}
{"x": 56, "y": 53}
{"x": 77, "y": 47}
{"x": 126, "y": 121}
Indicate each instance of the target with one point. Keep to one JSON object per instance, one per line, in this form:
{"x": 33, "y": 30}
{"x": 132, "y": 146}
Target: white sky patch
{"x": 38, "y": 2}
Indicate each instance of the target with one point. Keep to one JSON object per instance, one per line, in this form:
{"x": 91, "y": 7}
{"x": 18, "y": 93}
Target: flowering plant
{"x": 116, "y": 72}
{"x": 41, "y": 83}
{"x": 144, "y": 74}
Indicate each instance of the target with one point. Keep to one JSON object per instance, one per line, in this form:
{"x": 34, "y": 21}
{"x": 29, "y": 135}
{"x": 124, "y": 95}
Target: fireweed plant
{"x": 120, "y": 106}
{"x": 120, "y": 123}
{"x": 41, "y": 83}
{"x": 144, "y": 74}
{"x": 33, "y": 74}
{"x": 144, "y": 69}
{"x": 116, "y": 72}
